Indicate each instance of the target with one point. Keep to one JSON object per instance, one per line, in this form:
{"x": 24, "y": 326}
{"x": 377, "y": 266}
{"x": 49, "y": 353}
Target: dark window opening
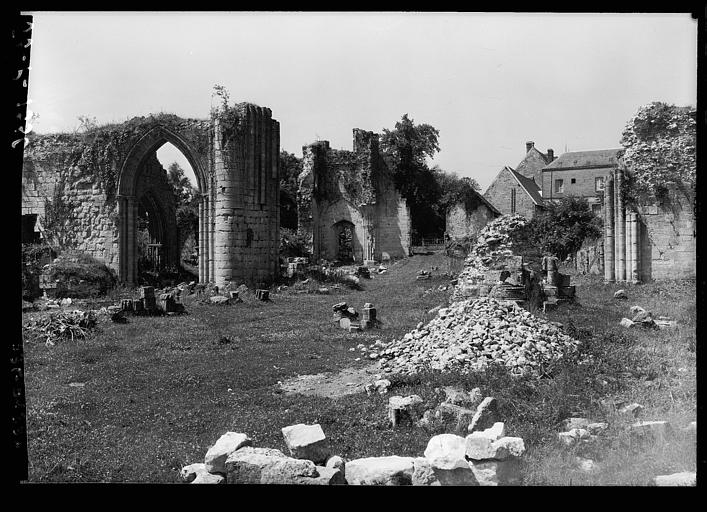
{"x": 248, "y": 237}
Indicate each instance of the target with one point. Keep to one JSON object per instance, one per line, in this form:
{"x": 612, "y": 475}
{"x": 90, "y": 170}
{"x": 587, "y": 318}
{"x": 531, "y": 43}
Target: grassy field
{"x": 159, "y": 391}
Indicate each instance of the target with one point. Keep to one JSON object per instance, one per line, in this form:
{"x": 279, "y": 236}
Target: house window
{"x": 513, "y": 200}
{"x": 559, "y": 186}
{"x": 599, "y": 184}
{"x": 596, "y": 209}
{"x": 573, "y": 181}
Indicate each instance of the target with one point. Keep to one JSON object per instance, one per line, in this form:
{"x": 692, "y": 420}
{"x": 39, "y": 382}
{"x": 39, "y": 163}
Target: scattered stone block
{"x": 208, "y": 478}
{"x": 219, "y": 299}
{"x": 404, "y": 410}
{"x": 496, "y": 473}
{"x": 654, "y": 429}
{"x": 380, "y": 386}
{"x": 621, "y": 294}
{"x": 325, "y": 476}
{"x": 633, "y": 410}
{"x": 336, "y": 462}
{"x": 288, "y": 471}
{"x": 684, "y": 479}
{"x": 597, "y": 428}
{"x": 450, "y": 413}
{"x": 446, "y": 451}
{"x": 245, "y": 466}
{"x": 586, "y": 465}
{"x": 462, "y": 398}
{"x": 215, "y": 459}
{"x": 486, "y": 415}
{"x": 262, "y": 294}
{"x": 570, "y": 423}
{"x": 573, "y": 436}
{"x": 306, "y": 442}
{"x": 423, "y": 473}
{"x": 190, "y": 472}
{"x": 391, "y": 470}
{"x": 625, "y": 322}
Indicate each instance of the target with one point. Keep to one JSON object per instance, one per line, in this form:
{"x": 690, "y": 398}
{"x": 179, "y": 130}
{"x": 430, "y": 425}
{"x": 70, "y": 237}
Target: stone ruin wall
{"x": 48, "y": 176}
{"x": 664, "y": 233}
{"x": 102, "y": 175}
{"x": 461, "y": 223}
{"x": 669, "y": 245}
{"x": 354, "y": 186}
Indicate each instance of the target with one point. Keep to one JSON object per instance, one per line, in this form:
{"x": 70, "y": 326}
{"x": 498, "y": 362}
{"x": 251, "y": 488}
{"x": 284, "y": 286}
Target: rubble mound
{"x": 492, "y": 248}
{"x": 471, "y": 334}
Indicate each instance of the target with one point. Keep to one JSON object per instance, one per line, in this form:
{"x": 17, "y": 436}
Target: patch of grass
{"x": 156, "y": 392}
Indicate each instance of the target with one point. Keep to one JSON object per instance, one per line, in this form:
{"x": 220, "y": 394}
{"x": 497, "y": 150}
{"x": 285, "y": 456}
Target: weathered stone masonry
{"x": 107, "y": 175}
{"x": 351, "y": 188}
{"x": 647, "y": 242}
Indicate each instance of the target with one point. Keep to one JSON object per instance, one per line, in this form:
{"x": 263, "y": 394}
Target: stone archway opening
{"x": 149, "y": 238}
{"x": 344, "y": 231}
{"x": 182, "y": 178}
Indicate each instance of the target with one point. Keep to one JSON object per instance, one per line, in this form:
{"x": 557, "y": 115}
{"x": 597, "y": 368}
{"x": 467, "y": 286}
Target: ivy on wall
{"x": 660, "y": 151}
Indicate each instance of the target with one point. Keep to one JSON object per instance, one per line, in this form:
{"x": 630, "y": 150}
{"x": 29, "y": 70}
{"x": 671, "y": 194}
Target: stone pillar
{"x": 621, "y": 229}
{"x": 609, "y": 230}
{"x": 634, "y": 251}
{"x": 130, "y": 240}
{"x": 224, "y": 218}
{"x": 210, "y": 233}
{"x": 202, "y": 252}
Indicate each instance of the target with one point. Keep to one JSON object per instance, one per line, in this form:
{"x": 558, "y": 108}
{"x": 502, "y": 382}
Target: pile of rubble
{"x": 492, "y": 250}
{"x": 469, "y": 335}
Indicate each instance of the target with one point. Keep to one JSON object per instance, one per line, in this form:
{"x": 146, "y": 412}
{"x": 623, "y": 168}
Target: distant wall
{"x": 461, "y": 223}
{"x": 499, "y": 195}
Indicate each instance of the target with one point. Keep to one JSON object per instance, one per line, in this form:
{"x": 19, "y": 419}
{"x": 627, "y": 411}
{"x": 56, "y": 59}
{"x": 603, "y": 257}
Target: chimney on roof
{"x": 529, "y": 145}
{"x": 550, "y": 154}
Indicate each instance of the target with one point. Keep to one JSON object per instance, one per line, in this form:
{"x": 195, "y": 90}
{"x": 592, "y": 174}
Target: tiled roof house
{"x": 519, "y": 191}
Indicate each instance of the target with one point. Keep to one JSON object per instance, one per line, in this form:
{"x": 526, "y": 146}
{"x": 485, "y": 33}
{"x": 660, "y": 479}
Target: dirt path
{"x": 333, "y": 385}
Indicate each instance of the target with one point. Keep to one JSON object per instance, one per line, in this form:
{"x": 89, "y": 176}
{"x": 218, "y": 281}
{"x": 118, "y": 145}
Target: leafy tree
{"x": 290, "y": 169}
{"x": 660, "y": 147}
{"x": 562, "y": 227}
{"x": 187, "y": 204}
{"x": 405, "y": 149}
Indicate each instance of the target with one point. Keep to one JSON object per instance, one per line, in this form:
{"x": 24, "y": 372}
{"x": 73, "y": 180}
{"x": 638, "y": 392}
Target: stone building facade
{"x": 348, "y": 206}
{"x": 519, "y": 191}
{"x": 464, "y": 220}
{"x": 580, "y": 174}
{"x": 88, "y": 190}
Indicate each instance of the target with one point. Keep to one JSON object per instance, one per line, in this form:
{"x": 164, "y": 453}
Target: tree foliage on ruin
{"x": 660, "y": 149}
{"x": 406, "y": 149}
{"x": 561, "y": 228}
{"x": 290, "y": 169}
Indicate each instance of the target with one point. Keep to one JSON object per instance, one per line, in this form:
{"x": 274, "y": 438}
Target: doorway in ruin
{"x": 148, "y": 208}
{"x": 344, "y": 236}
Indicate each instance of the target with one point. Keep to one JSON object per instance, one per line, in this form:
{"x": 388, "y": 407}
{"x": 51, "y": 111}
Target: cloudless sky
{"x": 488, "y": 82}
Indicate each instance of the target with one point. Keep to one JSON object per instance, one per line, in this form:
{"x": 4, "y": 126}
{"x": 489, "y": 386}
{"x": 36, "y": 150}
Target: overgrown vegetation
{"x": 80, "y": 275}
{"x": 559, "y": 230}
{"x": 660, "y": 149}
{"x": 293, "y": 244}
{"x": 290, "y": 169}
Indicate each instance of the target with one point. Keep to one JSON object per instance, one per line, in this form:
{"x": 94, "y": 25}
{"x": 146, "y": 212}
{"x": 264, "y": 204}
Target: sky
{"x": 488, "y": 82}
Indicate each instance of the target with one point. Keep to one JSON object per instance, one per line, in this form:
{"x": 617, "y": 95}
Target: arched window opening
{"x": 182, "y": 179}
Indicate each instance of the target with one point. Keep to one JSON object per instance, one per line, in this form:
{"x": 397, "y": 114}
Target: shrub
{"x": 80, "y": 275}
{"x": 292, "y": 244}
{"x": 560, "y": 229}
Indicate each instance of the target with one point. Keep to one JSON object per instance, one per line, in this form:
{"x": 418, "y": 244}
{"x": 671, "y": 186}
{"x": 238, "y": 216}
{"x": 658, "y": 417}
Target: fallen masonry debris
{"x": 471, "y": 334}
